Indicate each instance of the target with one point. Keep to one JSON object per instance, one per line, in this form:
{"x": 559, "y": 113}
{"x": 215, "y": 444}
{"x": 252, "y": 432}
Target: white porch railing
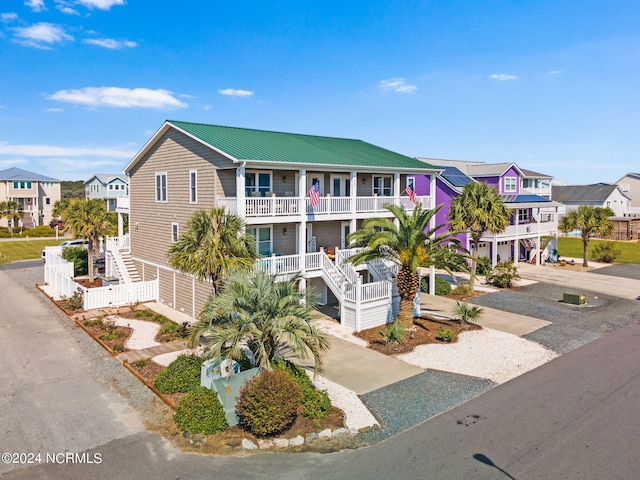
{"x": 118, "y": 295}
{"x": 526, "y": 230}
{"x": 294, "y": 206}
{"x": 114, "y": 254}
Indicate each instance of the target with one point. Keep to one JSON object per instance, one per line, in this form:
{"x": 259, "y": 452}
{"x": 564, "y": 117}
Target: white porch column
{"x": 354, "y": 199}
{"x": 240, "y": 192}
{"x": 302, "y": 226}
{"x": 494, "y": 250}
{"x": 432, "y": 193}
{"x": 538, "y": 244}
{"x": 516, "y": 246}
{"x": 120, "y": 225}
{"x": 396, "y": 188}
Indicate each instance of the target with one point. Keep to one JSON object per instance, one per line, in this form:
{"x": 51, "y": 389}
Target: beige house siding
{"x": 176, "y": 155}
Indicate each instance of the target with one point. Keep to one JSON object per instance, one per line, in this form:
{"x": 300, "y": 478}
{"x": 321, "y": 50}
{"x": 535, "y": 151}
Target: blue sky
{"x": 550, "y": 85}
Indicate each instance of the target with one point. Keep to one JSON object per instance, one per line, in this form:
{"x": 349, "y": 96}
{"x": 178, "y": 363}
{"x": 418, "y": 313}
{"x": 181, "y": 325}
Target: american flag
{"x": 314, "y": 195}
{"x": 411, "y": 193}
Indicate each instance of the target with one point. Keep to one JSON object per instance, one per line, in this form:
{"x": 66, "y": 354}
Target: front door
{"x": 345, "y": 229}
{"x": 340, "y": 186}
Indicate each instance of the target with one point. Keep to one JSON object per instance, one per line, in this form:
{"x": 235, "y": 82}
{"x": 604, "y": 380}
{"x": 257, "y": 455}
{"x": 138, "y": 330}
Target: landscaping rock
{"x": 280, "y": 442}
{"x": 265, "y": 444}
{"x": 311, "y": 437}
{"x": 326, "y": 433}
{"x": 296, "y": 441}
{"x": 248, "y": 444}
{"x": 198, "y": 439}
{"x": 339, "y": 432}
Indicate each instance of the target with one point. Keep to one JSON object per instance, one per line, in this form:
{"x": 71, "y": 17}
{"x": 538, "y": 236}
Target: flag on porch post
{"x": 314, "y": 195}
{"x": 411, "y": 193}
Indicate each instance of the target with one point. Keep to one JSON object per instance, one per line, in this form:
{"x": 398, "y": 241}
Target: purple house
{"x": 532, "y": 217}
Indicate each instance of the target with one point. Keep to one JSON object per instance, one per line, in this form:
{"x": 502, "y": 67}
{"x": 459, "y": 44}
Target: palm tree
{"x": 270, "y": 318}
{"x": 590, "y": 221}
{"x": 467, "y": 313}
{"x": 213, "y": 244}
{"x": 59, "y": 208}
{"x": 89, "y": 219}
{"x": 12, "y": 211}
{"x": 410, "y": 244}
{"x": 477, "y": 210}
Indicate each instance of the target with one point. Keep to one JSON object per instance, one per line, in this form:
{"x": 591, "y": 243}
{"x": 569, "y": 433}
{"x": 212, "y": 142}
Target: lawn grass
{"x": 572, "y": 247}
{"x": 17, "y": 250}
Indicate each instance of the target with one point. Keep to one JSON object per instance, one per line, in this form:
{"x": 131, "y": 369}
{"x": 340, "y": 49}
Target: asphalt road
{"x": 573, "y": 418}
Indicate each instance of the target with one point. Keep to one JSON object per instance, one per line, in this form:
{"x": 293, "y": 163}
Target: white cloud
{"x": 235, "y": 93}
{"x": 55, "y": 110}
{"x": 207, "y": 107}
{"x": 110, "y": 43}
{"x": 397, "y": 85}
{"x": 41, "y": 35}
{"x": 555, "y": 72}
{"x": 67, "y": 10}
{"x": 35, "y": 5}
{"x": 9, "y": 162}
{"x": 119, "y": 97}
{"x": 53, "y": 151}
{"x": 8, "y": 17}
{"x": 502, "y": 77}
{"x": 100, "y": 4}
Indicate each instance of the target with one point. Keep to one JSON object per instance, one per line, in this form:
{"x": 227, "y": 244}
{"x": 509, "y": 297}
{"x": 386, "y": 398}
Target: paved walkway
{"x": 606, "y": 284}
{"x": 135, "y": 355}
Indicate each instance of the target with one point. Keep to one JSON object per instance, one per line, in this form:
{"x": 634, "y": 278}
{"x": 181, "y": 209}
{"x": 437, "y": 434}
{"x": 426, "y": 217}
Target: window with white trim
{"x": 175, "y": 232}
{"x": 257, "y": 183}
{"x": 263, "y": 237}
{"x": 510, "y": 185}
{"x": 193, "y": 186}
{"x": 161, "y": 187}
{"x": 383, "y": 186}
{"x": 523, "y": 215}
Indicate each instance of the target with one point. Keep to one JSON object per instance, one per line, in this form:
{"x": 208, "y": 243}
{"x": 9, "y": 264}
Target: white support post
{"x": 302, "y": 188}
{"x": 396, "y": 188}
{"x": 353, "y": 190}
{"x": 432, "y": 192}
{"x": 240, "y": 192}
{"x": 358, "y": 322}
{"x": 432, "y": 280}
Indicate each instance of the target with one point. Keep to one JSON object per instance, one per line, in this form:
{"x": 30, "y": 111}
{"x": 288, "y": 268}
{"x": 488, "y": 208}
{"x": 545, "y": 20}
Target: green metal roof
{"x": 266, "y": 146}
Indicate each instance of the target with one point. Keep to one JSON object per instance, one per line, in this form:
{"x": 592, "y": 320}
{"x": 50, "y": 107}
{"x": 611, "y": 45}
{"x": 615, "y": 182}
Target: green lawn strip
{"x": 572, "y": 248}
{"x": 17, "y": 250}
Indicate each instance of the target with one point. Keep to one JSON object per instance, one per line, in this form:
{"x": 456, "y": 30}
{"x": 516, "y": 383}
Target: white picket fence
{"x": 58, "y": 273}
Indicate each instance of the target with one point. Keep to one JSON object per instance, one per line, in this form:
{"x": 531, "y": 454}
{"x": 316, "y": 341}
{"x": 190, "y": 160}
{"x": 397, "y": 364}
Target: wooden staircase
{"x": 131, "y": 266}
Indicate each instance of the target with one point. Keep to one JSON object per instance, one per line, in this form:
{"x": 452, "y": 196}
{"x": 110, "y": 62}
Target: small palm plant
{"x": 394, "y": 333}
{"x": 466, "y": 313}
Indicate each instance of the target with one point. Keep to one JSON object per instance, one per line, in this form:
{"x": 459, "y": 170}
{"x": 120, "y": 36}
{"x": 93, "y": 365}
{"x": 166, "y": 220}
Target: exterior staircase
{"x": 130, "y": 266}
{"x": 27, "y": 221}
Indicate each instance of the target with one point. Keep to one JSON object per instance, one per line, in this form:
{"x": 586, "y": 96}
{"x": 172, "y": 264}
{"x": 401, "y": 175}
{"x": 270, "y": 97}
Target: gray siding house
{"x": 270, "y": 179}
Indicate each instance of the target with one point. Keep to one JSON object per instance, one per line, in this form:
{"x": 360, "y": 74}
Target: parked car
{"x": 77, "y": 242}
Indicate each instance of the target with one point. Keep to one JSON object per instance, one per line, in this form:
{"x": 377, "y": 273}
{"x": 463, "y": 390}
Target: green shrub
{"x": 79, "y": 257}
{"x": 442, "y": 286}
{"x": 268, "y": 403}
{"x": 140, "y": 363}
{"x": 446, "y": 335}
{"x": 200, "y": 411}
{"x": 316, "y": 403}
{"x": 394, "y": 333}
{"x": 74, "y": 302}
{"x": 182, "y": 375}
{"x": 605, "y": 252}
{"x": 112, "y": 335}
{"x": 144, "y": 314}
{"x": 41, "y": 231}
{"x": 462, "y": 289}
{"x": 503, "y": 275}
{"x": 483, "y": 267}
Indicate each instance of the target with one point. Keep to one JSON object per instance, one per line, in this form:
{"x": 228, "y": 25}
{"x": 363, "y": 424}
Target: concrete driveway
{"x": 621, "y": 287}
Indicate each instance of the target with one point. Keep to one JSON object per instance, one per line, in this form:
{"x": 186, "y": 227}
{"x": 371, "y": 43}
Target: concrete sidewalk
{"x": 627, "y": 288}
{"x": 513, "y": 323}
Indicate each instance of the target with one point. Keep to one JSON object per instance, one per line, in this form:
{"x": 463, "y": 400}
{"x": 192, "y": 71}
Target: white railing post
{"x": 358, "y": 314}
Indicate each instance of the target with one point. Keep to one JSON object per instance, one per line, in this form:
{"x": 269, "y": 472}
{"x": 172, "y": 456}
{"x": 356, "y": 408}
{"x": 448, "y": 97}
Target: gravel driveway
{"x": 572, "y": 326}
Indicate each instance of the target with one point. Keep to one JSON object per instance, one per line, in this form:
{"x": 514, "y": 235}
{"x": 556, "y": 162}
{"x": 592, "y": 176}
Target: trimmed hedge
{"x": 268, "y": 403}
{"x": 316, "y": 403}
{"x": 200, "y": 411}
{"x": 442, "y": 286}
{"x": 182, "y": 375}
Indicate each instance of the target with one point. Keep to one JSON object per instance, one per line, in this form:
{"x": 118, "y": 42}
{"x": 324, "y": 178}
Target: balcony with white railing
{"x": 523, "y": 230}
{"x": 274, "y": 206}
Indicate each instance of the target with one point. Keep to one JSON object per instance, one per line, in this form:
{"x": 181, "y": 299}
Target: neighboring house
{"x": 108, "y": 187}
{"x": 533, "y": 216}
{"x": 34, "y": 192}
{"x": 536, "y": 183}
{"x": 266, "y": 178}
{"x": 629, "y": 185}
{"x": 597, "y": 195}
